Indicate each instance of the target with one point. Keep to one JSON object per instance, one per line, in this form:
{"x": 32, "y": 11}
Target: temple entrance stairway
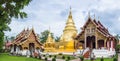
{"x": 86, "y": 53}
{"x": 98, "y": 53}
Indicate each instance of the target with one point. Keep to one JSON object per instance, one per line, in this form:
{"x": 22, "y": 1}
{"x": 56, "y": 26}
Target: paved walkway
{"x": 118, "y": 56}
{"x": 60, "y": 60}
{"x": 75, "y": 59}
{"x": 50, "y": 59}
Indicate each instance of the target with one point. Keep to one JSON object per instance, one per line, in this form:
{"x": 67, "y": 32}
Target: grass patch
{"x": 6, "y": 57}
{"x": 65, "y": 57}
{"x": 98, "y": 59}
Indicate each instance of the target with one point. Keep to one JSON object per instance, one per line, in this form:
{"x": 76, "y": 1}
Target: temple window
{"x": 25, "y": 48}
{"x": 93, "y": 30}
{"x": 88, "y": 30}
{"x": 37, "y": 48}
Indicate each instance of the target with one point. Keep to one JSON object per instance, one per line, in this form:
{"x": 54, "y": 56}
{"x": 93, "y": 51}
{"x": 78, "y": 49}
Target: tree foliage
{"x": 57, "y": 39}
{"x": 44, "y": 36}
{"x": 7, "y": 38}
{"x": 117, "y": 37}
{"x": 10, "y": 9}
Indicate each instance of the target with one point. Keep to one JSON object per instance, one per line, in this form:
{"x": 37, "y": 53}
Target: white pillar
{"x": 96, "y": 43}
{"x": 85, "y": 38}
{"x": 12, "y": 49}
{"x": 108, "y": 45}
{"x": 112, "y": 45}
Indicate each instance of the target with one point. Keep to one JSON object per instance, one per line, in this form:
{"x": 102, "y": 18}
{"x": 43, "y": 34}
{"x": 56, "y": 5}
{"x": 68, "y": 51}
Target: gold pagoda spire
{"x": 70, "y": 23}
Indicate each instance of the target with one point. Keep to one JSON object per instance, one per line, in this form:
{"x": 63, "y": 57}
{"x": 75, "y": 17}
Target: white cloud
{"x": 45, "y": 13}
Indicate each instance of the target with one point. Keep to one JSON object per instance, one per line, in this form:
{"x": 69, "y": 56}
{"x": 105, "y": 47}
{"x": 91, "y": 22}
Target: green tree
{"x": 10, "y": 9}
{"x": 44, "y": 36}
{"x": 57, "y": 38}
{"x": 11, "y": 38}
{"x": 7, "y": 38}
{"x": 117, "y": 37}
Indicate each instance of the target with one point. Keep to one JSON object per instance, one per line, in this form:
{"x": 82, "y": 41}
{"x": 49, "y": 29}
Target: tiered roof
{"x": 100, "y": 28}
{"x": 22, "y": 36}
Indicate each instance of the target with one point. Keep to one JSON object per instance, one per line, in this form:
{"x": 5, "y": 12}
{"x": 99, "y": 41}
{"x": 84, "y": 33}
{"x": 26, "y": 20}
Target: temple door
{"x": 31, "y": 48}
{"x": 88, "y": 41}
{"x": 93, "y": 45}
{"x": 100, "y": 43}
{"x": 15, "y": 48}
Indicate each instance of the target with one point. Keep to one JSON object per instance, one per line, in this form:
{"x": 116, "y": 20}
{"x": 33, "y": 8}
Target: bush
{"x": 67, "y": 60}
{"x": 102, "y": 59}
{"x": 1, "y": 50}
{"x": 117, "y": 48}
{"x": 63, "y": 57}
{"x": 60, "y": 54}
{"x": 55, "y": 56}
{"x": 43, "y": 55}
{"x": 81, "y": 58}
{"x": 115, "y": 59}
{"x": 68, "y": 57}
{"x": 54, "y": 59}
{"x": 45, "y": 58}
{"x": 50, "y": 56}
{"x": 39, "y": 57}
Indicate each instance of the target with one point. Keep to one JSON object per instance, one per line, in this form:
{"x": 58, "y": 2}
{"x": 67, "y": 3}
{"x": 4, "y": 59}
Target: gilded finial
{"x": 49, "y": 29}
{"x": 24, "y": 29}
{"x": 89, "y": 14}
{"x": 70, "y": 11}
{"x": 94, "y": 16}
{"x": 27, "y": 28}
{"x": 32, "y": 27}
{"x": 70, "y": 8}
{"x": 98, "y": 18}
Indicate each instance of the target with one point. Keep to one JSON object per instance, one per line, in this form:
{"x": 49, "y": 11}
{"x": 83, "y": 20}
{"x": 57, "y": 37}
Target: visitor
{"x": 28, "y": 53}
{"x": 47, "y": 54}
{"x": 35, "y": 54}
{"x": 74, "y": 54}
{"x": 92, "y": 57}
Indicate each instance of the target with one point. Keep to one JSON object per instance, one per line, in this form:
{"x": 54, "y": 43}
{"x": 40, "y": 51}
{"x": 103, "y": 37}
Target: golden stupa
{"x": 67, "y": 40}
{"x": 49, "y": 45}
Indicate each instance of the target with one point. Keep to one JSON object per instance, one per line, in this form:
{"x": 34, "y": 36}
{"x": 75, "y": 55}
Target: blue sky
{"x": 43, "y": 14}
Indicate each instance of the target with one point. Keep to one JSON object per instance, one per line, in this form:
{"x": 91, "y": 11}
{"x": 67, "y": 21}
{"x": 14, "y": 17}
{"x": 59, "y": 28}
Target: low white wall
{"x": 103, "y": 53}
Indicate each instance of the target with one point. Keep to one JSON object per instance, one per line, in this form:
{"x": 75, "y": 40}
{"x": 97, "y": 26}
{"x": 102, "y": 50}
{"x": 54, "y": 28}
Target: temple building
{"x": 93, "y": 38}
{"x": 94, "y": 35}
{"x": 26, "y": 40}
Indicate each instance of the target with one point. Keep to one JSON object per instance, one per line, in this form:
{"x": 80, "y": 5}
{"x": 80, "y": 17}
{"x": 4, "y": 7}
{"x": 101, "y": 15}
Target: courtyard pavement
{"x": 70, "y": 60}
{"x": 118, "y": 56}
{"x": 49, "y": 59}
{"x": 75, "y": 59}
